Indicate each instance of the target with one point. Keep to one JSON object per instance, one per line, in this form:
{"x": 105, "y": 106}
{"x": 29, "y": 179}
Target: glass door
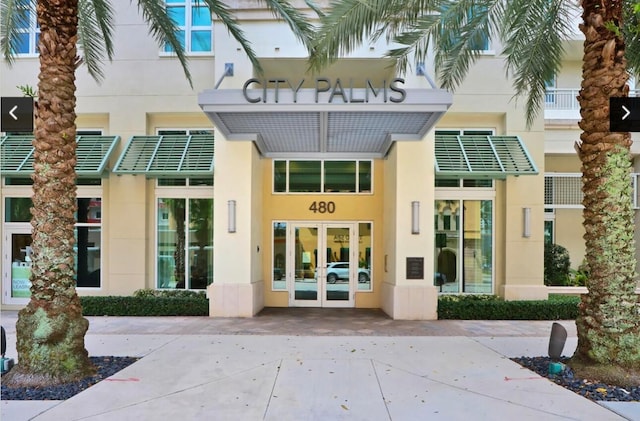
{"x": 16, "y": 264}
{"x": 324, "y": 263}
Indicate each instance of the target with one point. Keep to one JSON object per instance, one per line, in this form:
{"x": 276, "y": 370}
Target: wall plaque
{"x": 415, "y": 267}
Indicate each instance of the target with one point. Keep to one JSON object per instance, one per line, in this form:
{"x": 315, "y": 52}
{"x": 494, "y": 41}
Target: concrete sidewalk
{"x": 318, "y": 365}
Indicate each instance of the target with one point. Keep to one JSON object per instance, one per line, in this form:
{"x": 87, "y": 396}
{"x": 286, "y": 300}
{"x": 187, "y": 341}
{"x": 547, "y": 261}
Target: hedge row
{"x": 473, "y": 307}
{"x": 493, "y": 308}
{"x": 144, "y": 306}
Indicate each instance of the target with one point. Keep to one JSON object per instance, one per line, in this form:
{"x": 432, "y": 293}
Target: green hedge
{"x": 487, "y": 307}
{"x": 456, "y": 307}
{"x": 144, "y": 306}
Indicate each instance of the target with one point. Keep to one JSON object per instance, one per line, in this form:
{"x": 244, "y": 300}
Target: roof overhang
{"x": 337, "y": 123}
{"x": 92, "y": 155}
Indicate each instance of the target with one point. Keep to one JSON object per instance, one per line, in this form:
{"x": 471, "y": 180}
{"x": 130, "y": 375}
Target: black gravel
{"x": 590, "y": 390}
{"x": 106, "y": 367}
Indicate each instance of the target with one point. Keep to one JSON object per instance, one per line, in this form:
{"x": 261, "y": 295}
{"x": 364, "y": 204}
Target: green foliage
{"x": 489, "y": 307}
{"x": 28, "y": 91}
{"x": 578, "y": 277}
{"x": 556, "y": 265}
{"x": 144, "y": 306}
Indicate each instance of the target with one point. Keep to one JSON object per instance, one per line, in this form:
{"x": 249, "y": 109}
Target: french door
{"x": 323, "y": 258}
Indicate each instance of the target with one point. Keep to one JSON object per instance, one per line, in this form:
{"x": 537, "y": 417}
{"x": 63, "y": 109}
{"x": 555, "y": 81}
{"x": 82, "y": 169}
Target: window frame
{"x": 322, "y": 183}
{"x": 188, "y": 28}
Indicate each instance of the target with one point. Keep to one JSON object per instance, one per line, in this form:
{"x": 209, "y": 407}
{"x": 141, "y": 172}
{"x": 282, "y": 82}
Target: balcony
{"x": 562, "y": 104}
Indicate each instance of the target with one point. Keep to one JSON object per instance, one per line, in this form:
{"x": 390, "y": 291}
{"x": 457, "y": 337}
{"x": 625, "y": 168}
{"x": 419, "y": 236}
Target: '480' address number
{"x": 322, "y": 207}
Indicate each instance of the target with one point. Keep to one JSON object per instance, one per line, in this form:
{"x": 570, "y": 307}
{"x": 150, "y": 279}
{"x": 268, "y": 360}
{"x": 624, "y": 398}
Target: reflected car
{"x": 339, "y": 271}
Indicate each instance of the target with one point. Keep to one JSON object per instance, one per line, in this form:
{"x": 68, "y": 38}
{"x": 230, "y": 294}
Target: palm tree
{"x": 50, "y": 329}
{"x": 532, "y": 32}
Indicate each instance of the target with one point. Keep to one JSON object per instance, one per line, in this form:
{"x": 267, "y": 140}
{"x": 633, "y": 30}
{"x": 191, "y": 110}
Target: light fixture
{"x": 415, "y": 217}
{"x": 231, "y": 207}
{"x": 526, "y": 222}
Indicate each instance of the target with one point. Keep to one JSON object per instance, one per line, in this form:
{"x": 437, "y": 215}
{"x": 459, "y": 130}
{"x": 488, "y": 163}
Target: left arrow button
{"x": 15, "y": 117}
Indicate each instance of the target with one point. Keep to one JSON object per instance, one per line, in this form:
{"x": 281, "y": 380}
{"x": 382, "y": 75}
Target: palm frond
{"x": 95, "y": 26}
{"x": 299, "y": 24}
{"x": 533, "y": 47}
{"x": 631, "y": 31}
{"x": 164, "y": 30}
{"x": 14, "y": 14}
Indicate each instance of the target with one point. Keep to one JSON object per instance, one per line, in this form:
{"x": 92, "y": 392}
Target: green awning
{"x": 167, "y": 156}
{"x": 16, "y": 155}
{"x": 476, "y": 156}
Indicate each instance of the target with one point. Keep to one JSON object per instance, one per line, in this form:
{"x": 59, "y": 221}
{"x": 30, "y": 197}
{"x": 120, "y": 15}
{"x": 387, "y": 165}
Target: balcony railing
{"x": 567, "y": 99}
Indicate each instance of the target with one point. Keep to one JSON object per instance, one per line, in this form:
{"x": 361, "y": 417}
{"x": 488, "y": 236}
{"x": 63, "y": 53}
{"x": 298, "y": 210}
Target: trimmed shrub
{"x": 144, "y": 306}
{"x": 170, "y": 293}
{"x": 488, "y": 307}
{"x": 556, "y": 265}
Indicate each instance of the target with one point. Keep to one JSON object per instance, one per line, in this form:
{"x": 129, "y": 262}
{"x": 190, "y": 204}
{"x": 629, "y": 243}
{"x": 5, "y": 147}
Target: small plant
{"x": 556, "y": 265}
{"x": 578, "y": 277}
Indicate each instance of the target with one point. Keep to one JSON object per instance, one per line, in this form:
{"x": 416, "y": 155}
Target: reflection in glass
{"x": 20, "y": 265}
{"x": 18, "y": 209}
{"x": 305, "y": 263}
{"x": 175, "y": 268}
{"x": 340, "y": 176}
{"x": 364, "y": 256}
{"x": 304, "y": 176}
{"x": 279, "y": 255}
{"x": 339, "y": 270}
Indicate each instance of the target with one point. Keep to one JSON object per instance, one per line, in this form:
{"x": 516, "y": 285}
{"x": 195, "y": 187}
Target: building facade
{"x": 355, "y": 187}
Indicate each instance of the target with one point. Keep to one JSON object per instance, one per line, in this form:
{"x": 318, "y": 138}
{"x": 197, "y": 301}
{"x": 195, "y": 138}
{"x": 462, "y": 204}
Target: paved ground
{"x": 318, "y": 364}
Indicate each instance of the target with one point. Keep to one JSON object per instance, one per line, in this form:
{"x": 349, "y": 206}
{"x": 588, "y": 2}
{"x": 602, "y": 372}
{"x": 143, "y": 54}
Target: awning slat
{"x": 475, "y": 156}
{"x": 168, "y": 156}
{"x": 92, "y": 154}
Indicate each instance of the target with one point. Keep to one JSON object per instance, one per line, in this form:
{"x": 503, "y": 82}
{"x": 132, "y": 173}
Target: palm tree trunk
{"x": 609, "y": 322}
{"x": 50, "y": 329}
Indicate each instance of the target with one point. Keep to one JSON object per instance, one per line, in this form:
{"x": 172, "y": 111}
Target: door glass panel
{"x": 364, "y": 256}
{"x": 20, "y": 265}
{"x": 279, "y": 255}
{"x": 447, "y": 242}
{"x": 305, "y": 263}
{"x": 477, "y": 246}
{"x": 338, "y": 271}
{"x": 200, "y": 243}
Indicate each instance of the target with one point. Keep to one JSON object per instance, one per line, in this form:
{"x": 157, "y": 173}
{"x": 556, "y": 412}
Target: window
{"x": 184, "y": 232}
{"x": 322, "y": 176}
{"x": 28, "y": 31}
{"x": 464, "y": 246}
{"x": 193, "y": 19}
{"x": 88, "y": 235}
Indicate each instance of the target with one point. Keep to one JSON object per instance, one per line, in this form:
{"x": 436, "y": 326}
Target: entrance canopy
{"x": 331, "y": 120}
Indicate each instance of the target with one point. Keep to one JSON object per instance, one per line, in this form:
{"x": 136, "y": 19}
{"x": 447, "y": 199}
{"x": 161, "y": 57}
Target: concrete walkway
{"x": 318, "y": 364}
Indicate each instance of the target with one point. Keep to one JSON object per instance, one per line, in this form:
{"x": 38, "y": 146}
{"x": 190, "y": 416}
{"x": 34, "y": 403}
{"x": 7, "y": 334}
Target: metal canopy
{"x": 167, "y": 156}
{"x": 16, "y": 153}
{"x": 473, "y": 156}
{"x": 308, "y": 125}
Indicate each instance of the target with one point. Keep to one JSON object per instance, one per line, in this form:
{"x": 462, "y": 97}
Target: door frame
{"x": 321, "y": 269}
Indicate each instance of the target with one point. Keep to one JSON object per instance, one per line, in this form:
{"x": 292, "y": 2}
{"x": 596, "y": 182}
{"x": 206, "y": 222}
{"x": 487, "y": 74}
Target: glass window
{"x": 322, "y": 176}
{"x": 365, "y": 269}
{"x": 17, "y": 209}
{"x": 340, "y": 176}
{"x": 182, "y": 221}
{"x": 279, "y": 256}
{"x": 280, "y": 176}
{"x": 464, "y": 251}
{"x": 193, "y": 19}
{"x": 27, "y": 30}
{"x": 305, "y": 176}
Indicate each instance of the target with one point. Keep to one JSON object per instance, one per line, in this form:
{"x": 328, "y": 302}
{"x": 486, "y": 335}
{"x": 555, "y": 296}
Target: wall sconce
{"x": 526, "y": 222}
{"x": 415, "y": 217}
{"x": 231, "y": 207}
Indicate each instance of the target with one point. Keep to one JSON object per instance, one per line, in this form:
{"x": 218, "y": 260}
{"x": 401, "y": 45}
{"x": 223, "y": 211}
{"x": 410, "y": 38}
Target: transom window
{"x": 297, "y": 176}
{"x": 195, "y": 31}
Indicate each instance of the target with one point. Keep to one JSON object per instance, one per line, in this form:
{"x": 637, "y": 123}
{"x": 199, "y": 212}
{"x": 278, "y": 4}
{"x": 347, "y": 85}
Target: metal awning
{"x": 167, "y": 156}
{"x": 16, "y": 155}
{"x": 473, "y": 156}
{"x": 305, "y": 124}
